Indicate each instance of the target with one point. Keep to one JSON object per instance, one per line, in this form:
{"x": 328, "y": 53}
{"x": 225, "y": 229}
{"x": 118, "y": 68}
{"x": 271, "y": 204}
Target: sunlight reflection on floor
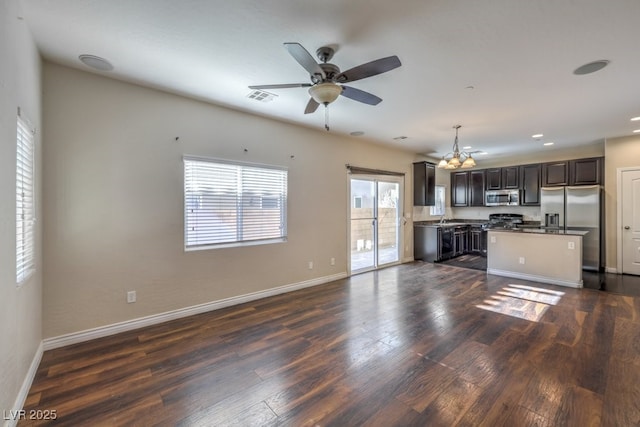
{"x": 525, "y": 302}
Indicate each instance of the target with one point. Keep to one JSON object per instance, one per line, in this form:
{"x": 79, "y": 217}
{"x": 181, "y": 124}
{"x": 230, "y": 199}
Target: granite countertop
{"x": 450, "y": 223}
{"x": 541, "y": 231}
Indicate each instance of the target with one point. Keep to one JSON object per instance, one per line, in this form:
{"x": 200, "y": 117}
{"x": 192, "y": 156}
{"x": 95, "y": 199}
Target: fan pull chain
{"x": 326, "y": 117}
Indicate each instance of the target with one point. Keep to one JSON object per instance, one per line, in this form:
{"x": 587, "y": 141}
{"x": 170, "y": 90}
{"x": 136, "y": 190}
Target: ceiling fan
{"x": 326, "y": 79}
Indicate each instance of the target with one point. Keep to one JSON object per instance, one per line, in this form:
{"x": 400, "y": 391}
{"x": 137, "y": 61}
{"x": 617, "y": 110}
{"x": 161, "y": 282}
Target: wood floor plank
{"x": 621, "y": 405}
{"x": 580, "y": 408}
{"x": 403, "y": 346}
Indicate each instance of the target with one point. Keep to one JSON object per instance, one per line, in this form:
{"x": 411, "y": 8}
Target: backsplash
{"x": 531, "y": 213}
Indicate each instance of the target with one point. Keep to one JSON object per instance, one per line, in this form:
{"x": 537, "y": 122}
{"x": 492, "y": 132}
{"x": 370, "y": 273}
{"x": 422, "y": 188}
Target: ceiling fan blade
{"x": 312, "y": 106}
{"x": 282, "y": 86}
{"x": 369, "y": 69}
{"x": 305, "y": 59}
{"x": 360, "y": 95}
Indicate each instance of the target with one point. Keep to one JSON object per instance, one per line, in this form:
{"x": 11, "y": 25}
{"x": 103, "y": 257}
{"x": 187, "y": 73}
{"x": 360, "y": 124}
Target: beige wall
{"x": 113, "y": 215}
{"x": 619, "y": 153}
{"x": 20, "y": 307}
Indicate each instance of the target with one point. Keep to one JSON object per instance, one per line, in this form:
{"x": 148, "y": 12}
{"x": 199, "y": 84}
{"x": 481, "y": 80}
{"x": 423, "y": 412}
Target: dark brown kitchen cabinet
{"x": 530, "y": 185}
{"x": 586, "y": 171}
{"x": 460, "y": 189}
{"x": 510, "y": 178}
{"x": 476, "y": 188}
{"x": 494, "y": 178}
{"x": 477, "y": 242}
{"x": 424, "y": 184}
{"x": 506, "y": 178}
{"x": 555, "y": 173}
{"x": 460, "y": 235}
{"x": 467, "y": 188}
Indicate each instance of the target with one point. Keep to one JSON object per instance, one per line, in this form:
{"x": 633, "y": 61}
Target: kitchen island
{"x": 540, "y": 255}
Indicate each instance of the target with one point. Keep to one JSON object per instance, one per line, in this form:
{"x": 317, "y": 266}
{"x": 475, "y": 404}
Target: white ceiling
{"x": 503, "y": 69}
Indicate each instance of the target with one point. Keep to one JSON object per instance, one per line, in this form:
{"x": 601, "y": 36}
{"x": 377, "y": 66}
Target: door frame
{"x": 401, "y": 217}
{"x": 619, "y": 245}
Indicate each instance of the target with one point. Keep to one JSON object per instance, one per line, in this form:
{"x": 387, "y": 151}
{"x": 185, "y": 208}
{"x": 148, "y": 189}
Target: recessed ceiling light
{"x": 482, "y": 153}
{"x": 357, "y": 133}
{"x": 537, "y": 136}
{"x": 468, "y": 147}
{"x": 591, "y": 67}
{"x": 96, "y": 62}
{"x": 548, "y": 143}
{"x": 635, "y": 119}
{"x": 636, "y": 131}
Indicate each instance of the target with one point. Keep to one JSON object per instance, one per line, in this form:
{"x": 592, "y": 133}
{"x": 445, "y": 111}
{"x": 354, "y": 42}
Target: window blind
{"x": 230, "y": 203}
{"x": 25, "y": 206}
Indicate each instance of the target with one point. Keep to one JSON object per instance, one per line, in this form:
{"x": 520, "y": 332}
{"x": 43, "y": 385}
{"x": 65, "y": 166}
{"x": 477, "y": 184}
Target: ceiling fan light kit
{"x": 324, "y": 88}
{"x": 457, "y": 159}
{"x": 325, "y": 93}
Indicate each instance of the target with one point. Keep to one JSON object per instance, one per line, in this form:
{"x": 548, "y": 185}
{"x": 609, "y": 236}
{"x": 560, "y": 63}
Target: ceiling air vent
{"x": 262, "y": 96}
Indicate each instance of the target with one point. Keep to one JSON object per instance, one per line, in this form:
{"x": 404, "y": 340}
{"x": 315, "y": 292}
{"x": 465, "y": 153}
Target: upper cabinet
{"x": 424, "y": 184}
{"x": 476, "y": 187}
{"x": 460, "y": 189}
{"x": 506, "y": 178}
{"x": 511, "y": 178}
{"x": 530, "y": 185}
{"x": 586, "y": 171}
{"x": 555, "y": 173}
{"x": 494, "y": 178}
{"x": 467, "y": 188}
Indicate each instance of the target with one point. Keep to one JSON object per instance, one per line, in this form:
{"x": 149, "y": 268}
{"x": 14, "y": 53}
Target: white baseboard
{"x": 128, "y": 325}
{"x": 24, "y": 390}
{"x": 611, "y": 270}
{"x": 535, "y": 278}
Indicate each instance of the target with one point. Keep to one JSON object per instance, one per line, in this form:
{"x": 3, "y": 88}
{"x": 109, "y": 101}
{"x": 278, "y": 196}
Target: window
{"x": 227, "y": 204}
{"x": 438, "y": 208}
{"x": 25, "y": 206}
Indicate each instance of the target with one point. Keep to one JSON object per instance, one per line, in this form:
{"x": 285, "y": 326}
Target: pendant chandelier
{"x": 457, "y": 158}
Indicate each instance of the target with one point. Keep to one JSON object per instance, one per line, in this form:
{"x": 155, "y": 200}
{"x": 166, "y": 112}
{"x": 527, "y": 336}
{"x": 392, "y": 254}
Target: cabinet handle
{"x": 626, "y": 227}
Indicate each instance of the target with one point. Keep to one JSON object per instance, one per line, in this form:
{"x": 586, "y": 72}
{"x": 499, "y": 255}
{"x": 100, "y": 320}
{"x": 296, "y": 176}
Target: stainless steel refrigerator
{"x": 577, "y": 208}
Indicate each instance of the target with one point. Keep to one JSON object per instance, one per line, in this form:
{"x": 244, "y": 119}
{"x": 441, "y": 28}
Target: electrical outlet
{"x": 333, "y": 261}
{"x": 572, "y": 245}
{"x": 521, "y": 260}
{"x": 131, "y": 297}
{"x": 493, "y": 239}
{"x": 310, "y": 265}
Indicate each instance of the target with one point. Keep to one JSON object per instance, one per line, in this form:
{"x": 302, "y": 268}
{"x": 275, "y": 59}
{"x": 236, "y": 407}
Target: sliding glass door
{"x": 375, "y": 217}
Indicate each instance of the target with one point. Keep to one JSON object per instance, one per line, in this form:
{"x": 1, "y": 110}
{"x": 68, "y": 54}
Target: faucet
{"x": 442, "y": 219}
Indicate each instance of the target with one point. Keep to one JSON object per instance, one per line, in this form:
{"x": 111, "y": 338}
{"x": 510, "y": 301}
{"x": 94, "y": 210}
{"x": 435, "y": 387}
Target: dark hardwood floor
{"x": 418, "y": 344}
{"x": 623, "y": 284}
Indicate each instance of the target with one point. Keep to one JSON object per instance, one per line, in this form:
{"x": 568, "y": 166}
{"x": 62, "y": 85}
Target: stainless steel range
{"x": 504, "y": 221}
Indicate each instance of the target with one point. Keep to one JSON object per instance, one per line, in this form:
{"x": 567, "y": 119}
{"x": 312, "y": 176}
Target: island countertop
{"x": 542, "y": 231}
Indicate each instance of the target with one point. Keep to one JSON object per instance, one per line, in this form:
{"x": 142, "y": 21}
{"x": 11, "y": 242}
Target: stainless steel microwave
{"x": 502, "y": 198}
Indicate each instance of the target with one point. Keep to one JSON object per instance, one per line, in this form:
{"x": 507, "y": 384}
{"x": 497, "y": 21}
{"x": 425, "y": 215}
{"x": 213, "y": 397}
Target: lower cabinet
{"x": 460, "y": 240}
{"x": 434, "y": 243}
{"x": 477, "y": 241}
